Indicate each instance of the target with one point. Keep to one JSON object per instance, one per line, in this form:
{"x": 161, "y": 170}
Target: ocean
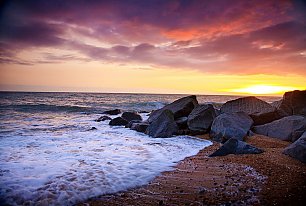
{"x": 50, "y": 156}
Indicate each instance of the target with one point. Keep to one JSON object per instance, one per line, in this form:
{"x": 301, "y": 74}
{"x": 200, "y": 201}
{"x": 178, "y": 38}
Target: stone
{"x": 180, "y": 108}
{"x": 249, "y": 105}
{"x": 297, "y": 149}
{"x": 182, "y": 122}
{"x": 230, "y": 125}
{"x": 140, "y": 127}
{"x": 118, "y": 121}
{"x": 267, "y": 117}
{"x": 112, "y": 112}
{"x": 294, "y": 103}
{"x": 163, "y": 125}
{"x": 287, "y": 128}
{"x": 201, "y": 119}
{"x": 129, "y": 125}
{"x": 276, "y": 104}
{"x": 103, "y": 118}
{"x": 234, "y": 146}
{"x": 129, "y": 116}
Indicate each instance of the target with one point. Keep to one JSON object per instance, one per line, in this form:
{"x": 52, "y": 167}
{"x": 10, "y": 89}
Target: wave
{"x": 45, "y": 108}
{"x": 91, "y": 108}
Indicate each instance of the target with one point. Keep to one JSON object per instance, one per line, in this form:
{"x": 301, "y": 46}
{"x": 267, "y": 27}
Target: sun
{"x": 264, "y": 90}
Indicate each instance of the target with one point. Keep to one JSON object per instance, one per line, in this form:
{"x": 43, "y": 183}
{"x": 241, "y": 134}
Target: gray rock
{"x": 287, "y": 128}
{"x": 264, "y": 118}
{"x": 249, "y": 105}
{"x": 294, "y": 103}
{"x": 234, "y": 146}
{"x": 103, "y": 118}
{"x": 112, "y": 112}
{"x": 163, "y": 125}
{"x": 297, "y": 149}
{"x": 276, "y": 104}
{"x": 182, "y": 122}
{"x": 140, "y": 127}
{"x": 230, "y": 125}
{"x": 118, "y": 121}
{"x": 129, "y": 125}
{"x": 201, "y": 119}
{"x": 129, "y": 116}
{"x": 180, "y": 108}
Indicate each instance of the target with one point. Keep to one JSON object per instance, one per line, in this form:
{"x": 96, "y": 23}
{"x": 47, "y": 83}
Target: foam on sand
{"x": 67, "y": 168}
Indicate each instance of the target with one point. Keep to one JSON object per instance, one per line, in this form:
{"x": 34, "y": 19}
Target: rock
{"x": 234, "y": 146}
{"x": 140, "y": 127}
{"x": 118, "y": 121}
{"x": 297, "y": 149}
{"x": 287, "y": 128}
{"x": 294, "y": 103}
{"x": 264, "y": 118}
{"x": 180, "y": 108}
{"x": 276, "y": 104}
{"x": 103, "y": 118}
{"x": 129, "y": 125}
{"x": 129, "y": 116}
{"x": 182, "y": 122}
{"x": 201, "y": 119}
{"x": 112, "y": 112}
{"x": 163, "y": 125}
{"x": 230, "y": 125}
{"x": 249, "y": 105}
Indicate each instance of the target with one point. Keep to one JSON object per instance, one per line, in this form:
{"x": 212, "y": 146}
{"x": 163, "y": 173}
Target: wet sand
{"x": 270, "y": 178}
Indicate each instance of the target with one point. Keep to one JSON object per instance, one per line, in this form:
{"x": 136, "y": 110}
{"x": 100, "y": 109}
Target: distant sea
{"x": 49, "y": 155}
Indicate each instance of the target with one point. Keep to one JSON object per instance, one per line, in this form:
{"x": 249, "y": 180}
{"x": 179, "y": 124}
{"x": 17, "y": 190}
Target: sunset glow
{"x": 265, "y": 89}
{"x": 199, "y": 47}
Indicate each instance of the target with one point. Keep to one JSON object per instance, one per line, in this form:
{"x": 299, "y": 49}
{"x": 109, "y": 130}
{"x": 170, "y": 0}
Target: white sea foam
{"x": 67, "y": 167}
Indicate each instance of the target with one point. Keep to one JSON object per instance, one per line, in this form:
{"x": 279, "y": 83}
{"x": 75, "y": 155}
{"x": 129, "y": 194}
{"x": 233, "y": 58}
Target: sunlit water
{"x": 49, "y": 155}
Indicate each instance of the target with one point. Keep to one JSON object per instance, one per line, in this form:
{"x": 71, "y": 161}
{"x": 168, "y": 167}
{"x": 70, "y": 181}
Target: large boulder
{"x": 112, "y": 112}
{"x": 118, "y": 121}
{"x": 180, "y": 108}
{"x": 297, "y": 149}
{"x": 129, "y": 116}
{"x": 163, "y": 125}
{"x": 266, "y": 117}
{"x": 249, "y": 105}
{"x": 201, "y": 119}
{"x": 294, "y": 103}
{"x": 230, "y": 125}
{"x": 234, "y": 146}
{"x": 287, "y": 128}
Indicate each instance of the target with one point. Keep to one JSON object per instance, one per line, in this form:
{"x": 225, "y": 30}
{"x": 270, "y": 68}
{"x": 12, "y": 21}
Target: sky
{"x": 153, "y": 46}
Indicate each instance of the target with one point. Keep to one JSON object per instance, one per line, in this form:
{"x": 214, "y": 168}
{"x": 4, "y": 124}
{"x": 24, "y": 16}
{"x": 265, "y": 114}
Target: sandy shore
{"x": 270, "y": 178}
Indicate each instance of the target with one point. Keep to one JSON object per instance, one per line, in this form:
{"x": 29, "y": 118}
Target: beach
{"x": 270, "y": 178}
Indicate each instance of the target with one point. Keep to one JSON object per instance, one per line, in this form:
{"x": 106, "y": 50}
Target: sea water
{"x": 49, "y": 155}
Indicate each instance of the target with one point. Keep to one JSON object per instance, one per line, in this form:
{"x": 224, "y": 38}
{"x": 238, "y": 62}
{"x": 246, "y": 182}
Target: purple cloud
{"x": 211, "y": 36}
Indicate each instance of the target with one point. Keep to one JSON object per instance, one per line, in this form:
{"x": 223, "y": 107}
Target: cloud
{"x": 210, "y": 36}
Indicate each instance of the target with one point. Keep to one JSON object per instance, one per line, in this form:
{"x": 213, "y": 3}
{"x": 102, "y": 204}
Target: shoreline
{"x": 270, "y": 178}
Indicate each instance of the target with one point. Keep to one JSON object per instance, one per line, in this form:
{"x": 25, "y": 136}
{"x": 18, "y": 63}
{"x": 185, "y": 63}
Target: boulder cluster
{"x": 236, "y": 119}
